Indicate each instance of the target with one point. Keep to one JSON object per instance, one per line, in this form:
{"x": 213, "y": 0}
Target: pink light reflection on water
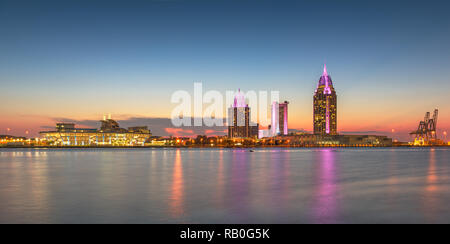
{"x": 325, "y": 202}
{"x": 239, "y": 188}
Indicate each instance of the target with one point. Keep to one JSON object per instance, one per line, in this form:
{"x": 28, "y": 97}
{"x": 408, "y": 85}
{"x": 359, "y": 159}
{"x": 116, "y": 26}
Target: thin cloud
{"x": 364, "y": 132}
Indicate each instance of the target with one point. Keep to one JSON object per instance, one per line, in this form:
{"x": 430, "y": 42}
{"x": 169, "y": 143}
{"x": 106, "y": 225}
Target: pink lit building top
{"x": 325, "y": 81}
{"x": 239, "y": 100}
{"x": 325, "y": 106}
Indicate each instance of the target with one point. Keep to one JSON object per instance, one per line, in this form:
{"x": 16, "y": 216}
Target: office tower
{"x": 279, "y": 118}
{"x": 283, "y": 118}
{"x": 325, "y": 106}
{"x": 239, "y": 124}
{"x": 275, "y": 128}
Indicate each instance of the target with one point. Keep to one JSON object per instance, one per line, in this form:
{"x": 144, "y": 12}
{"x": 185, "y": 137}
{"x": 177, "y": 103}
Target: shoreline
{"x": 216, "y": 147}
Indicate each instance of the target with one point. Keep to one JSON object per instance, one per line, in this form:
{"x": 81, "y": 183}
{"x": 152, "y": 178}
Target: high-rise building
{"x": 279, "y": 125}
{"x": 274, "y": 126}
{"x": 239, "y": 119}
{"x": 283, "y": 118}
{"x": 325, "y": 106}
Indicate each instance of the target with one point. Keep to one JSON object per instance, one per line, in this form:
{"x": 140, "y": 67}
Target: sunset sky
{"x": 77, "y": 60}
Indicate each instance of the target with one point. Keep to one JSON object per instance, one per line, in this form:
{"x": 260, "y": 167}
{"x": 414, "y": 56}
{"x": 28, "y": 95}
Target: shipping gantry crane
{"x": 426, "y": 134}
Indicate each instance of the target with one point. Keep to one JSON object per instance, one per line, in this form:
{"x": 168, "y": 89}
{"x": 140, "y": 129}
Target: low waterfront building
{"x": 314, "y": 140}
{"x": 110, "y": 134}
{"x": 7, "y": 140}
{"x": 264, "y": 133}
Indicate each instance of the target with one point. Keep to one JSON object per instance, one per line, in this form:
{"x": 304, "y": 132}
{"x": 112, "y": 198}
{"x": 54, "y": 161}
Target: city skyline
{"x": 57, "y": 65}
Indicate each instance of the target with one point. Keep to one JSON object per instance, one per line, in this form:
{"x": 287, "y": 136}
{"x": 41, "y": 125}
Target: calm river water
{"x": 225, "y": 186}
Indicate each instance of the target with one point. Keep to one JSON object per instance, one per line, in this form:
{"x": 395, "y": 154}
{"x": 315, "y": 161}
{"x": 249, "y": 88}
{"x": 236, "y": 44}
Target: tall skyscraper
{"x": 325, "y": 106}
{"x": 239, "y": 124}
{"x": 283, "y": 118}
{"x": 274, "y": 127}
{"x": 279, "y": 116}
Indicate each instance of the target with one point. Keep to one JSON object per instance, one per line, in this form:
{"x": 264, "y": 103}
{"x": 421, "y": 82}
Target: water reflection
{"x": 279, "y": 175}
{"x": 39, "y": 183}
{"x": 25, "y": 189}
{"x": 220, "y": 181}
{"x": 177, "y": 192}
{"x": 239, "y": 188}
{"x": 431, "y": 194}
{"x": 225, "y": 186}
{"x": 325, "y": 208}
{"x": 393, "y": 180}
{"x": 432, "y": 176}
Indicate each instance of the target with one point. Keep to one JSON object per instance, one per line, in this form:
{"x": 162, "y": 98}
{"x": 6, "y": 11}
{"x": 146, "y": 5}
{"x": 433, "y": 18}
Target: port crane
{"x": 426, "y": 133}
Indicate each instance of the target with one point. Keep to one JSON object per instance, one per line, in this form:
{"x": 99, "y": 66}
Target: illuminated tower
{"x": 275, "y": 127}
{"x": 279, "y": 124}
{"x": 325, "y": 106}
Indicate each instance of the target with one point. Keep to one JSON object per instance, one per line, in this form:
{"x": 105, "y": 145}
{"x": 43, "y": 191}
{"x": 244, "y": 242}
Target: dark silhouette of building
{"x": 283, "y": 118}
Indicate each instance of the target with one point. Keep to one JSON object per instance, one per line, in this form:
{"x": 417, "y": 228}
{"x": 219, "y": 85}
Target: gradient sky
{"x": 80, "y": 59}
